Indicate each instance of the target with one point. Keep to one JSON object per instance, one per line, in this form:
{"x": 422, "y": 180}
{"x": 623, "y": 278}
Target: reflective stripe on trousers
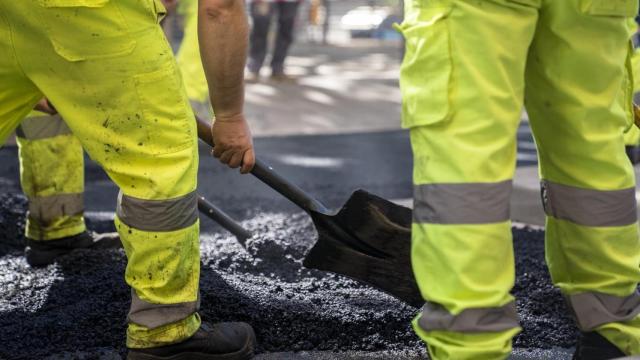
{"x": 42, "y": 127}
{"x": 471, "y": 203}
{"x": 593, "y": 309}
{"x": 158, "y": 215}
{"x": 153, "y": 316}
{"x": 589, "y": 207}
{"x": 435, "y": 317}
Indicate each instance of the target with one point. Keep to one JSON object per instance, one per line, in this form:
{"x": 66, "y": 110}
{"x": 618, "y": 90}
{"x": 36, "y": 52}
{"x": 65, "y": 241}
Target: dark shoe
{"x": 593, "y": 346}
{"x": 44, "y": 252}
{"x": 222, "y": 341}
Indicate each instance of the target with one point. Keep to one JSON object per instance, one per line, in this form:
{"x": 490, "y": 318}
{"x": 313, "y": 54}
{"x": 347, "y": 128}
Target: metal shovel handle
{"x": 219, "y": 216}
{"x": 269, "y": 176}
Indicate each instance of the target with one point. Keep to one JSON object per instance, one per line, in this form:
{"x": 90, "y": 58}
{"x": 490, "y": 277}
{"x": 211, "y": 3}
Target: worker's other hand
{"x": 233, "y": 142}
{"x": 170, "y": 5}
{"x": 45, "y": 106}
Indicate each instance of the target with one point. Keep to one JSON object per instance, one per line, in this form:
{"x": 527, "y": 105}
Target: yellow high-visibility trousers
{"x": 108, "y": 69}
{"x": 468, "y": 68}
{"x": 189, "y": 62}
{"x": 52, "y": 177}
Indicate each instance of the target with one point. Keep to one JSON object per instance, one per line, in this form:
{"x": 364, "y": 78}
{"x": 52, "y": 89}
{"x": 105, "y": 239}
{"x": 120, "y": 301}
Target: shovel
{"x": 368, "y": 239}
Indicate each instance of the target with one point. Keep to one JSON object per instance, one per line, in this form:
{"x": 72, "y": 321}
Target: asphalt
{"x": 77, "y": 308}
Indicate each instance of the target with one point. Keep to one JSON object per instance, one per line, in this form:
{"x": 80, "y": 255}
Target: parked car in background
{"x": 371, "y": 22}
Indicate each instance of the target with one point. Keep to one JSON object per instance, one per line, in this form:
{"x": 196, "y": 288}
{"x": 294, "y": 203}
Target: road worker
{"x": 108, "y": 70}
{"x": 469, "y": 68}
{"x": 52, "y": 163}
{"x": 262, "y": 12}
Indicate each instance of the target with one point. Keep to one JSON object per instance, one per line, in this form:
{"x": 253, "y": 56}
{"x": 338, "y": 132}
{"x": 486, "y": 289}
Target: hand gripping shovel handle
{"x": 269, "y": 176}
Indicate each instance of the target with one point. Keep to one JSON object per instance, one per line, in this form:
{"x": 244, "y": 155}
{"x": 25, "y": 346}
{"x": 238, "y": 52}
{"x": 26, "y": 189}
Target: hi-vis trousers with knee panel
{"x": 468, "y": 68}
{"x": 52, "y": 177}
{"x": 108, "y": 69}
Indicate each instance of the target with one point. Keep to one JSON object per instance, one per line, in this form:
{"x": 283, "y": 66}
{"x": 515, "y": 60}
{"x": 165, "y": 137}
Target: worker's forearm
{"x": 223, "y": 32}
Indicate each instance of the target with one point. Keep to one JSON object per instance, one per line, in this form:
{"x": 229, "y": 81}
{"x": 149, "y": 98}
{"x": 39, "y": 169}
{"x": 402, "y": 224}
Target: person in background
{"x": 262, "y": 12}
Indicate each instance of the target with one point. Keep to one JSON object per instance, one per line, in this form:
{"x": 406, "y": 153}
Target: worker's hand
{"x": 233, "y": 142}
{"x": 45, "y": 106}
{"x": 170, "y": 5}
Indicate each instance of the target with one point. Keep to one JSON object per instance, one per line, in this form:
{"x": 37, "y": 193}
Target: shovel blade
{"x": 372, "y": 245}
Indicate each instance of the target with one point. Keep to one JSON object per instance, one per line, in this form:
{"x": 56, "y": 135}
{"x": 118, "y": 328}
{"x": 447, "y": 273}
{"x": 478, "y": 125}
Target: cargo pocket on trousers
{"x": 425, "y": 74}
{"x": 625, "y": 8}
{"x": 166, "y": 126}
{"x": 86, "y": 29}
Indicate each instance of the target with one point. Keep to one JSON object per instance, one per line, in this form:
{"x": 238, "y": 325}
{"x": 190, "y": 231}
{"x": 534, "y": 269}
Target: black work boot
{"x": 222, "y": 341}
{"x": 44, "y": 252}
{"x": 593, "y": 346}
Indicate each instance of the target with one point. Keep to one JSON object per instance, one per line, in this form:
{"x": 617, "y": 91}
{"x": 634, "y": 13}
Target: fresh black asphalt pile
{"x": 79, "y": 305}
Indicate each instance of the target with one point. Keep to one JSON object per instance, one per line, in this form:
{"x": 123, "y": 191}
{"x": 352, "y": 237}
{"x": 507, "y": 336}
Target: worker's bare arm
{"x": 223, "y": 32}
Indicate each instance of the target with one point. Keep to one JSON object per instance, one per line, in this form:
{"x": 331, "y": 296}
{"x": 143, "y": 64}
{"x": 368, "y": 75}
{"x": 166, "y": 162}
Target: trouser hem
{"x": 140, "y": 337}
{"x": 35, "y": 232}
{"x": 446, "y": 345}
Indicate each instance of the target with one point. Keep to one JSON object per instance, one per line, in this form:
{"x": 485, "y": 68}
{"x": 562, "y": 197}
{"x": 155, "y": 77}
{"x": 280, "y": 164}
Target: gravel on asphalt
{"x": 80, "y": 303}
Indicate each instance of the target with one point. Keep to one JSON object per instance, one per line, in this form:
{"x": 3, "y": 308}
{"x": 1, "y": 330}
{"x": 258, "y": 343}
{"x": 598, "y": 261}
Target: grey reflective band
{"x": 589, "y": 207}
{"x": 436, "y": 317}
{"x": 158, "y": 215}
{"x": 593, "y": 309}
{"x": 155, "y": 315}
{"x": 42, "y": 127}
{"x": 46, "y": 209}
{"x": 465, "y": 203}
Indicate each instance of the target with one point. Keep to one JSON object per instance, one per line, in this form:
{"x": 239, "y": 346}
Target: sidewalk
{"x": 339, "y": 89}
